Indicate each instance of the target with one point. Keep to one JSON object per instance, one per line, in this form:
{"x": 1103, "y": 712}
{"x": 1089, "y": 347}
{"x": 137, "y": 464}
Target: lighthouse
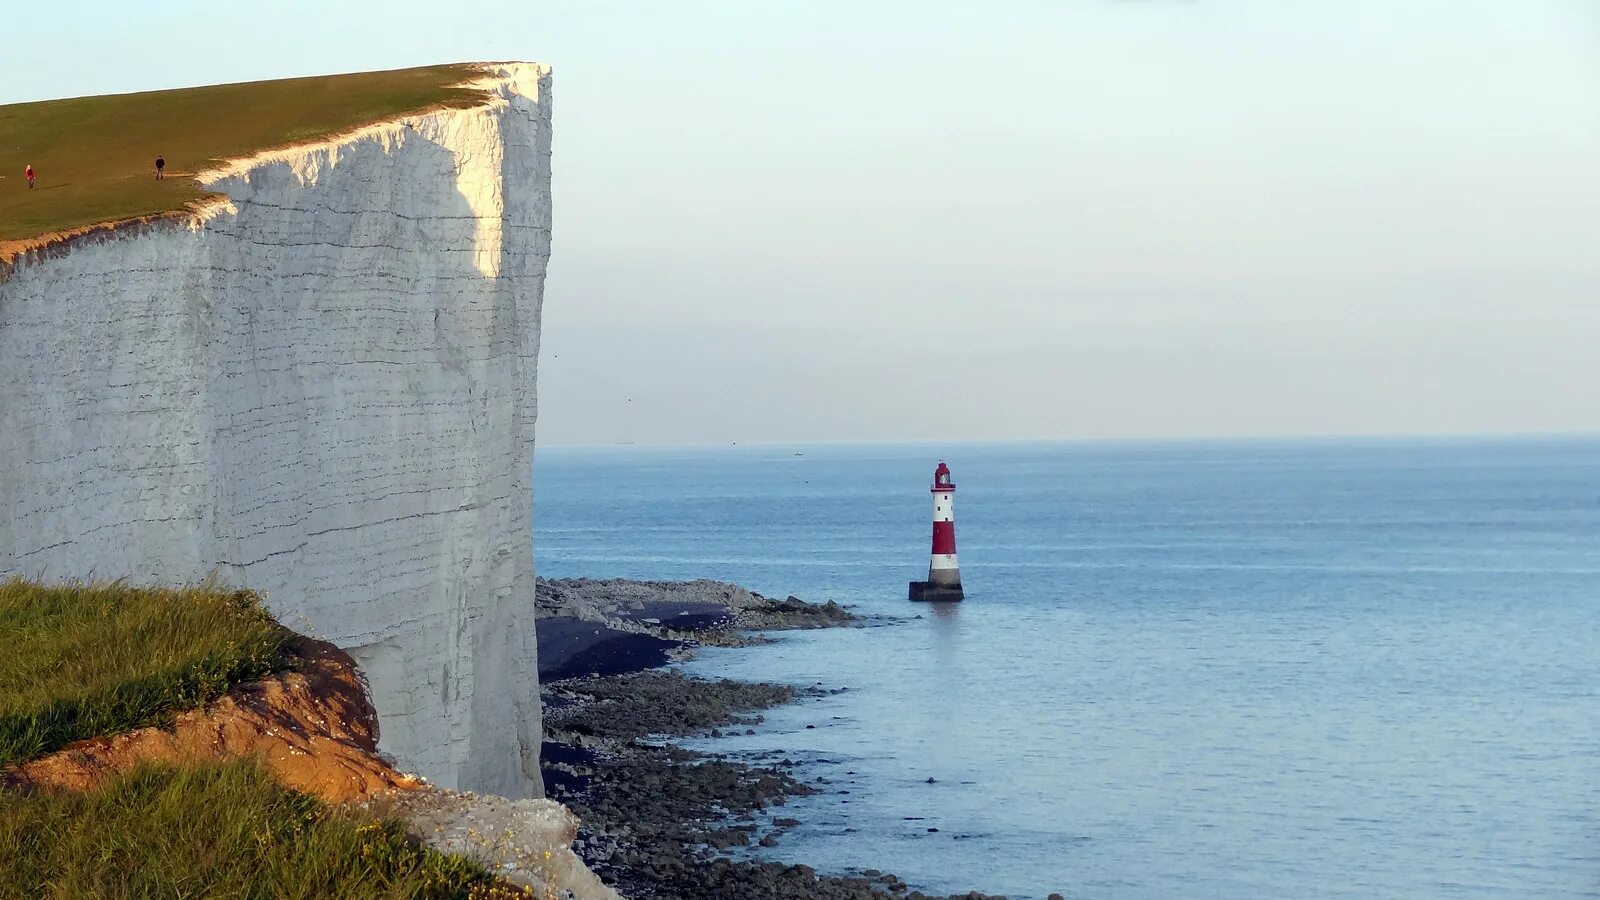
{"x": 944, "y": 576}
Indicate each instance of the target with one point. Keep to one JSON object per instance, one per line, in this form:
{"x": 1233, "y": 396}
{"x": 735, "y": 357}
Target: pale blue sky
{"x": 1063, "y": 218}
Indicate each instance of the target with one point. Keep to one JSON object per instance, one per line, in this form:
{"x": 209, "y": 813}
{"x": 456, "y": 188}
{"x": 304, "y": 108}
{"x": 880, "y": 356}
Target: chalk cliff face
{"x": 323, "y": 389}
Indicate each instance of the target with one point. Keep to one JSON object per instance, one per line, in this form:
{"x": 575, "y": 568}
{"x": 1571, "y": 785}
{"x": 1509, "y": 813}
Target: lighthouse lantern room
{"x": 944, "y": 576}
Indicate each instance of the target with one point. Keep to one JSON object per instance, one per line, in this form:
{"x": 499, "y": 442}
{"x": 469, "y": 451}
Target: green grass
{"x": 95, "y": 156}
{"x": 86, "y": 660}
{"x": 217, "y": 830}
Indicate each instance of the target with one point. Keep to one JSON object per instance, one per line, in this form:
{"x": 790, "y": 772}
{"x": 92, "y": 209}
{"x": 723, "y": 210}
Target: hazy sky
{"x": 832, "y": 220}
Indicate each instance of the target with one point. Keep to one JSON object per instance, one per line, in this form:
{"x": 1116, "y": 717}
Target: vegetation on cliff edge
{"x": 95, "y": 156}
{"x": 216, "y": 830}
{"x": 85, "y": 660}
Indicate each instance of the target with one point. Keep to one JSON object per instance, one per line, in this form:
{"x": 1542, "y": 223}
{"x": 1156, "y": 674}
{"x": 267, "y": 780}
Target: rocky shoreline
{"x": 657, "y": 818}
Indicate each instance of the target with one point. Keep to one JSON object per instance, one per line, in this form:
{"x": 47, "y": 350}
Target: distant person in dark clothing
{"x": 28, "y": 174}
{"x": 161, "y": 164}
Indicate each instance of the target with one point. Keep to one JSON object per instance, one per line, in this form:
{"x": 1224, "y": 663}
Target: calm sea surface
{"x": 1256, "y": 669}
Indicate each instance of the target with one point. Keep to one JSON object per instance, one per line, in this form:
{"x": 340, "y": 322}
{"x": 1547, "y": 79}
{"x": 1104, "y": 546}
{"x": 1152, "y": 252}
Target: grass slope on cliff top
{"x": 95, "y": 156}
{"x": 82, "y": 661}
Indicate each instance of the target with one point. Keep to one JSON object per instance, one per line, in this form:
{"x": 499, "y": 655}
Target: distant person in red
{"x": 161, "y": 164}
{"x": 28, "y": 174}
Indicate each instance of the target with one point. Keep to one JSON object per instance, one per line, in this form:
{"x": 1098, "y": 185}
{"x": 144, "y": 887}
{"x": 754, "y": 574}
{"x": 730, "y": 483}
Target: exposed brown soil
{"x": 312, "y": 727}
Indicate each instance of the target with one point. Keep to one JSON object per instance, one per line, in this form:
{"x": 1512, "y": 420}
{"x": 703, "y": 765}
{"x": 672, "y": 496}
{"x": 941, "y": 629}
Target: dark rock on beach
{"x": 625, "y": 707}
{"x": 574, "y": 648}
{"x": 655, "y": 817}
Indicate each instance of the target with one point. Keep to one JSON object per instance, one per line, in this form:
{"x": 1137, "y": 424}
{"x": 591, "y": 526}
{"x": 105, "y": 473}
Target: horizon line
{"x": 1310, "y": 437}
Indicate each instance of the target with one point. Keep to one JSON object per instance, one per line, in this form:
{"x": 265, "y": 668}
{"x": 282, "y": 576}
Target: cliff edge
{"x": 322, "y": 388}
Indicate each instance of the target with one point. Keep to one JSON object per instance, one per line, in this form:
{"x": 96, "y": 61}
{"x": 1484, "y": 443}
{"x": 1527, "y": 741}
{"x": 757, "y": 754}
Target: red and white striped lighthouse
{"x": 944, "y": 576}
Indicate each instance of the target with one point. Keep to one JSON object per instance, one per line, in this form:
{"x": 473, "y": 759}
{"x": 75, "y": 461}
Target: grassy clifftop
{"x": 95, "y": 156}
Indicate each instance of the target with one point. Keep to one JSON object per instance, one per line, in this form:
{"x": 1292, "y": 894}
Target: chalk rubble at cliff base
{"x": 701, "y": 607}
{"x": 525, "y": 842}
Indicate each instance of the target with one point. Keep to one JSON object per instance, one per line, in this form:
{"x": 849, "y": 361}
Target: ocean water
{"x": 1254, "y": 669}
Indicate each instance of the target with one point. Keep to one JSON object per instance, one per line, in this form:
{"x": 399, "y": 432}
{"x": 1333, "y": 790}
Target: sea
{"x": 1239, "y": 669}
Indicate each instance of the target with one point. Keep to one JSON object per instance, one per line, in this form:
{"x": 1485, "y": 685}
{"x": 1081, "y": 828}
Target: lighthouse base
{"x": 935, "y": 593}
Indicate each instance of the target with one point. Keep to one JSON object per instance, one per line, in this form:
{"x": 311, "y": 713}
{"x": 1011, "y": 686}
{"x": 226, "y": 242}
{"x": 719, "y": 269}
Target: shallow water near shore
{"x": 1298, "y": 669}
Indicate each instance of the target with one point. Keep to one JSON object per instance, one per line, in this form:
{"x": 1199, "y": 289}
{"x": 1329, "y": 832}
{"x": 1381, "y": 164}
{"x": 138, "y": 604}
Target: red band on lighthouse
{"x": 944, "y": 538}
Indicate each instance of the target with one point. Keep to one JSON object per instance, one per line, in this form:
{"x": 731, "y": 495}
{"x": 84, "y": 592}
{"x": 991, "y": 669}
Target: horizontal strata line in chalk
{"x": 243, "y": 205}
{"x": 295, "y": 495}
{"x": 470, "y": 507}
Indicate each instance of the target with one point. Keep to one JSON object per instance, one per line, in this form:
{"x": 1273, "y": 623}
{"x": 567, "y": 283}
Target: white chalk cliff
{"x": 323, "y": 389}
